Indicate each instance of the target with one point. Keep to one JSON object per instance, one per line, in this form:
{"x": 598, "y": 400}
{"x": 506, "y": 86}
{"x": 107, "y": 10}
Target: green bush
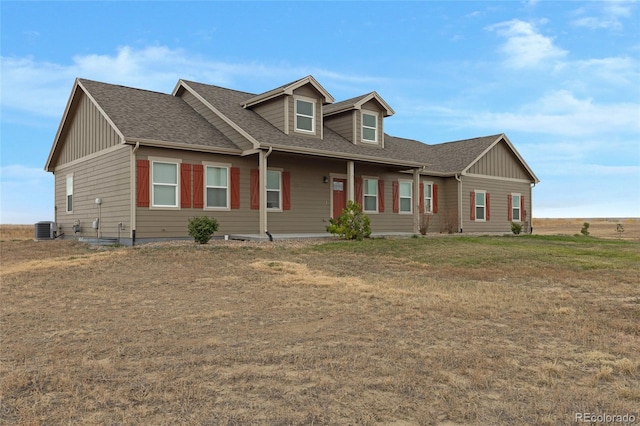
{"x": 352, "y": 224}
{"x": 202, "y": 228}
{"x": 585, "y": 228}
{"x": 516, "y": 228}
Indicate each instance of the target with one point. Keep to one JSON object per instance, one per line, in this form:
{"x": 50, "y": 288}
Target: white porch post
{"x": 416, "y": 201}
{"x": 262, "y": 166}
{"x": 351, "y": 182}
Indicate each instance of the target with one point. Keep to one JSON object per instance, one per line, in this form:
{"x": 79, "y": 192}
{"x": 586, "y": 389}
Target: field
{"x": 451, "y": 330}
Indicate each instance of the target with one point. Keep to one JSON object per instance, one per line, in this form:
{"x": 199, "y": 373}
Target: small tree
{"x": 352, "y": 224}
{"x": 202, "y": 228}
{"x": 619, "y": 229}
{"x": 585, "y": 229}
{"x": 516, "y": 228}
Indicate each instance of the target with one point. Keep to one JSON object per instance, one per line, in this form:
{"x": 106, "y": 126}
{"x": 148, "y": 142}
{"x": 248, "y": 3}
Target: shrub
{"x": 516, "y": 228}
{"x": 202, "y": 228}
{"x": 585, "y": 228}
{"x": 450, "y": 224}
{"x": 352, "y": 224}
{"x": 425, "y": 220}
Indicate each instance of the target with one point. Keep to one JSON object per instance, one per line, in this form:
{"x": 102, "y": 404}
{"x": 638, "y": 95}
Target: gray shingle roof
{"x": 157, "y": 116}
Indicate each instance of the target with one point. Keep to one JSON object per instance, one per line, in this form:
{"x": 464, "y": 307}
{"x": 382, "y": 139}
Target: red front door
{"x": 339, "y": 196}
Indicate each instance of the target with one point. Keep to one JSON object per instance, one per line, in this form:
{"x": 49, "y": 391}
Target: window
{"x": 274, "y": 193}
{"x": 428, "y": 197}
{"x": 369, "y": 127}
{"x": 164, "y": 178}
{"x": 370, "y": 195}
{"x": 69, "y": 193}
{"x": 217, "y": 187}
{"x": 515, "y": 207}
{"x": 480, "y": 205}
{"x": 305, "y": 115}
{"x": 406, "y": 189}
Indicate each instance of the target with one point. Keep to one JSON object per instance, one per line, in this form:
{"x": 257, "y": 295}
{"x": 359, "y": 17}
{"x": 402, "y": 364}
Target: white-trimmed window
{"x": 369, "y": 126}
{"x": 69, "y": 191}
{"x": 481, "y": 205}
{"x": 305, "y": 109}
{"x": 370, "y": 194}
{"x": 217, "y": 187}
{"x": 274, "y": 190}
{"x": 428, "y": 197}
{"x": 406, "y": 196}
{"x": 516, "y": 214}
{"x": 164, "y": 184}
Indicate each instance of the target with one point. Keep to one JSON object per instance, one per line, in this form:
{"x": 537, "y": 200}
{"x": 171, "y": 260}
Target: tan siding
{"x": 370, "y": 106}
{"x": 499, "y": 190}
{"x": 447, "y": 204}
{"x": 272, "y": 111}
{"x": 103, "y": 176}
{"x": 500, "y": 161}
{"x": 309, "y": 92}
{"x": 216, "y": 121}
{"x": 342, "y": 124}
{"x": 87, "y": 132}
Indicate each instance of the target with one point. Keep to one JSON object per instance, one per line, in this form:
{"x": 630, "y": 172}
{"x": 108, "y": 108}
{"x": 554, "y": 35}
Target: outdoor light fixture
{"x": 325, "y": 179}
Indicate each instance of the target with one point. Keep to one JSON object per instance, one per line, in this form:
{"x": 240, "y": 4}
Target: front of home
{"x": 136, "y": 165}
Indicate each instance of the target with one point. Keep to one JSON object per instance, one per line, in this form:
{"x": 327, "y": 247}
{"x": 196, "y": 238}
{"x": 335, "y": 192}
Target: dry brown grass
{"x": 16, "y": 232}
{"x": 599, "y": 227}
{"x": 416, "y": 331}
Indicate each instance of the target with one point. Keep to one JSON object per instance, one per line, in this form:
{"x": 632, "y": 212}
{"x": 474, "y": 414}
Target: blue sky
{"x": 560, "y": 78}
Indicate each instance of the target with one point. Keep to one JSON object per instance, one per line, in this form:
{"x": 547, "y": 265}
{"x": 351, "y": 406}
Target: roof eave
{"x": 288, "y": 90}
{"x": 177, "y": 145}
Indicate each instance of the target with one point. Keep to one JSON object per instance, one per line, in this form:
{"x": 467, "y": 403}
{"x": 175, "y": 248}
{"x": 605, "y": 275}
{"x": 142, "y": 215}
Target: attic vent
{"x": 45, "y": 230}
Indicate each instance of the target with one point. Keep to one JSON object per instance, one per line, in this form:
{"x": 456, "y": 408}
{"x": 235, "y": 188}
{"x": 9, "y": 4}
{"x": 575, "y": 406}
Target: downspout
{"x": 531, "y": 209}
{"x": 459, "y": 179}
{"x": 133, "y": 193}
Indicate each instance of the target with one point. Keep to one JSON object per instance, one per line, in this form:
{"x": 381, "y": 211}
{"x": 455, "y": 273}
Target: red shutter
{"x": 255, "y": 189}
{"x": 185, "y": 185}
{"x": 396, "y": 196}
{"x": 487, "y": 206}
{"x": 509, "y": 209}
{"x": 286, "y": 191}
{"x": 235, "y": 187}
{"x": 473, "y": 205}
{"x": 523, "y": 216}
{"x": 434, "y": 195}
{"x": 359, "y": 192}
{"x": 198, "y": 186}
{"x": 380, "y": 196}
{"x": 421, "y": 197}
{"x": 143, "y": 183}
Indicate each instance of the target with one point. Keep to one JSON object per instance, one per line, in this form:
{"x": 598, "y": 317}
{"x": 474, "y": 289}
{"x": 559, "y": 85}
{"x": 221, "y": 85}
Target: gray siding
{"x": 342, "y": 124}
{"x": 216, "y": 121}
{"x": 370, "y": 106}
{"x": 272, "y": 111}
{"x": 500, "y": 161}
{"x": 86, "y": 132}
{"x": 105, "y": 176}
{"x": 499, "y": 191}
{"x": 309, "y": 92}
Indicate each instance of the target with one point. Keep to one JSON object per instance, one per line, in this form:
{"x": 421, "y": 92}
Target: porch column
{"x": 262, "y": 166}
{"x": 416, "y": 201}
{"x": 351, "y": 181}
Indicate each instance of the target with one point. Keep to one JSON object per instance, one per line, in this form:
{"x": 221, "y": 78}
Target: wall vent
{"x": 45, "y": 230}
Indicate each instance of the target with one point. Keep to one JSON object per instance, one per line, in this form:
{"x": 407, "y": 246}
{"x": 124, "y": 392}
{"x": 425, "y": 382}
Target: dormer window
{"x": 369, "y": 127}
{"x": 305, "y": 110}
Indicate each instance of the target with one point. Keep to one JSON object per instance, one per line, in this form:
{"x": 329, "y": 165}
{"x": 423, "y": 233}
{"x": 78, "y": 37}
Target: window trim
{"x": 483, "y": 206}
{"x": 313, "y": 116}
{"x": 68, "y": 178}
{"x": 430, "y": 197}
{"x": 364, "y": 193}
{"x": 515, "y": 206}
{"x": 228, "y": 187}
{"x": 279, "y": 190}
{"x": 152, "y": 184}
{"x": 362, "y": 126}
{"x": 400, "y": 197}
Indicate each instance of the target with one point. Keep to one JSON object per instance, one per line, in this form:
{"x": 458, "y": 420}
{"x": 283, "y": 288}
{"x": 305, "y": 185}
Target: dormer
{"x": 295, "y": 108}
{"x": 360, "y": 120}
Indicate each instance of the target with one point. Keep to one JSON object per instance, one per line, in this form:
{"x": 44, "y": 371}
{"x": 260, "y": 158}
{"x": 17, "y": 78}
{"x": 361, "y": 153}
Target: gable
{"x": 500, "y": 161}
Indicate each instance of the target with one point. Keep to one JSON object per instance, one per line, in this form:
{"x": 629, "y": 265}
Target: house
{"x": 138, "y": 164}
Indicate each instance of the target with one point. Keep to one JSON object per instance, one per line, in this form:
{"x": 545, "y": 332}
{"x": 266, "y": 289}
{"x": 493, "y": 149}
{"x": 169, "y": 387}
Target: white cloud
{"x": 26, "y": 194}
{"x": 606, "y": 15}
{"x": 525, "y": 46}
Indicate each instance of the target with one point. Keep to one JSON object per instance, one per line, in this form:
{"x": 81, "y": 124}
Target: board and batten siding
{"x": 499, "y": 190}
{"x": 216, "y": 121}
{"x": 105, "y": 176}
{"x": 161, "y": 223}
{"x": 342, "y": 123}
{"x": 500, "y": 161}
{"x": 87, "y": 132}
{"x": 272, "y": 111}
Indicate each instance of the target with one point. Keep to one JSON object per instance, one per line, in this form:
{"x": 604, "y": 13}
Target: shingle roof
{"x": 156, "y": 116}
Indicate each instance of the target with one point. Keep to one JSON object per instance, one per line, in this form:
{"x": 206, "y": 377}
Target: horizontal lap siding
{"x": 157, "y": 223}
{"x": 273, "y": 112}
{"x": 446, "y": 202}
{"x": 342, "y": 124}
{"x": 104, "y": 176}
{"x": 309, "y": 92}
{"x": 499, "y": 191}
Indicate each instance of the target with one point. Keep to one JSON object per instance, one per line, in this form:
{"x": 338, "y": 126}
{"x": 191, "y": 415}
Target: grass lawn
{"x": 442, "y": 330}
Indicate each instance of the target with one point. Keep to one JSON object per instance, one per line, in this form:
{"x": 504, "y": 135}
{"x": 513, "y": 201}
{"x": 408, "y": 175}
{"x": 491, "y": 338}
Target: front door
{"x": 339, "y": 196}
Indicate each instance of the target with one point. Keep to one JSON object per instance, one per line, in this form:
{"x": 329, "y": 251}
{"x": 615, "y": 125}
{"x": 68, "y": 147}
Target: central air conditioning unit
{"x": 45, "y": 230}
